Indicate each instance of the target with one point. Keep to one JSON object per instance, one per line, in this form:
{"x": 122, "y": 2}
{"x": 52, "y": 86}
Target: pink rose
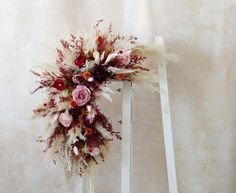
{"x": 76, "y": 79}
{"x": 65, "y": 119}
{"x": 81, "y": 95}
{"x": 123, "y": 57}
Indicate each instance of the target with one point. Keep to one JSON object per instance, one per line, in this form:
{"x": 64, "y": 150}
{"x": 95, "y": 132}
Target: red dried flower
{"x": 88, "y": 131}
{"x": 58, "y": 84}
{"x": 73, "y": 104}
{"x": 100, "y": 40}
{"x": 120, "y": 76}
{"x": 80, "y": 61}
{"x": 90, "y": 148}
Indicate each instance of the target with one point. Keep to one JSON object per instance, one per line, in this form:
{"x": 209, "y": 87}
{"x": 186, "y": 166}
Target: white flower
{"x": 76, "y": 151}
{"x": 110, "y": 57}
{"x": 90, "y": 79}
{"x": 89, "y": 108}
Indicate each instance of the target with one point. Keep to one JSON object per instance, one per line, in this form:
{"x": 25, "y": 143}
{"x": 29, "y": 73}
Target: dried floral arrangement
{"x": 79, "y": 132}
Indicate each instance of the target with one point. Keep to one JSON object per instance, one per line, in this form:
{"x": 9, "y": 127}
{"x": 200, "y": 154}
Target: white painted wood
{"x": 166, "y": 119}
{"x": 126, "y": 150}
{"x": 128, "y": 17}
{"x": 78, "y": 187}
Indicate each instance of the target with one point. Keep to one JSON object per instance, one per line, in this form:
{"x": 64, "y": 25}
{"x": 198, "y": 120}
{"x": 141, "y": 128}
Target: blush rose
{"x": 65, "y": 119}
{"x": 81, "y": 95}
{"x": 123, "y": 57}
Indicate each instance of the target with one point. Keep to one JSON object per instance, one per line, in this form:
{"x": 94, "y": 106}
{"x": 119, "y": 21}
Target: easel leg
{"x": 78, "y": 184}
{"x": 167, "y": 129}
{"x": 126, "y": 150}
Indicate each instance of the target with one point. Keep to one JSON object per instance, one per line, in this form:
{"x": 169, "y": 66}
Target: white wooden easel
{"x": 126, "y": 160}
{"x": 126, "y": 151}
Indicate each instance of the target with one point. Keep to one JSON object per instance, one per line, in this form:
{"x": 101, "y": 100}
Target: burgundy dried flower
{"x": 58, "y": 84}
{"x": 80, "y": 61}
{"x": 88, "y": 131}
{"x": 100, "y": 73}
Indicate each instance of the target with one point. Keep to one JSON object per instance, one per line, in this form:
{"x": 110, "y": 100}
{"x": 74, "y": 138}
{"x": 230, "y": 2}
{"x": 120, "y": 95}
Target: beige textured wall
{"x": 202, "y": 92}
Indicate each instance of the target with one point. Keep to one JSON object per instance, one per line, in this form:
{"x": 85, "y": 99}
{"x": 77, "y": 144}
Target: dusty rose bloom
{"x": 76, "y": 79}
{"x": 123, "y": 57}
{"x": 81, "y": 95}
{"x": 65, "y": 119}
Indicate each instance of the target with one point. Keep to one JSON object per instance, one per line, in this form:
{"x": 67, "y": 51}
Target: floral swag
{"x": 79, "y": 133}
